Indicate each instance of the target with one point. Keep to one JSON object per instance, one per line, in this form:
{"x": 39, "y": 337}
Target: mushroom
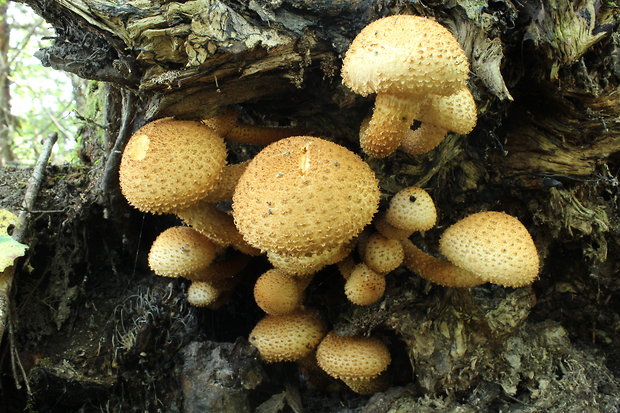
{"x": 402, "y": 59}
{"x": 304, "y": 195}
{"x": 278, "y": 293}
{"x": 301, "y": 265}
{"x": 383, "y": 254}
{"x": 411, "y": 209}
{"x": 225, "y": 124}
{"x": 438, "y": 116}
{"x": 209, "y": 293}
{"x": 180, "y": 251}
{"x": 288, "y": 337}
{"x": 492, "y": 246}
{"x": 353, "y": 358}
{"x": 364, "y": 286}
{"x": 169, "y": 164}
{"x": 226, "y": 183}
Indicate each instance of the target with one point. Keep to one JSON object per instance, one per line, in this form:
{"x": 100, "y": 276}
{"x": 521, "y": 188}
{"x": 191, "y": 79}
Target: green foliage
{"x": 9, "y": 248}
{"x": 43, "y": 100}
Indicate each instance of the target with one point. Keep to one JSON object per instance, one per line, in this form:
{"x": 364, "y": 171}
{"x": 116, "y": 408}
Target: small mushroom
{"x": 302, "y": 265}
{"x": 169, "y": 164}
{"x": 209, "y": 294}
{"x": 483, "y": 247}
{"x": 383, "y": 254}
{"x": 288, "y": 337}
{"x": 440, "y": 115}
{"x": 180, "y": 251}
{"x": 364, "y": 286}
{"x": 411, "y": 209}
{"x": 278, "y": 293}
{"x": 353, "y": 358}
{"x": 402, "y": 59}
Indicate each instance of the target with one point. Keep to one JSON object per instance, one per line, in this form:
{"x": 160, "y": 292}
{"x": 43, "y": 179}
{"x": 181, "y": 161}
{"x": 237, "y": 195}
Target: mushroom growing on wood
{"x": 411, "y": 209}
{"x": 180, "y": 251}
{"x": 353, "y": 358}
{"x": 402, "y": 59}
{"x": 483, "y": 247}
{"x": 438, "y": 116}
{"x": 304, "y": 195}
{"x": 169, "y": 164}
{"x": 288, "y": 337}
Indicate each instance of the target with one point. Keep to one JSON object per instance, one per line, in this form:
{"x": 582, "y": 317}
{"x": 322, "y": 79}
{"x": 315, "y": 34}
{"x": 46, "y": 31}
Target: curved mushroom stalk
{"x": 226, "y": 125}
{"x": 390, "y": 121}
{"x": 440, "y": 115}
{"x": 437, "y": 270}
{"x": 483, "y": 247}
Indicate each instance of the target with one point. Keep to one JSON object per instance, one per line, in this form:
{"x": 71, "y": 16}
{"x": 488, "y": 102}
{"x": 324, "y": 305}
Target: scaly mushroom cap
{"x": 288, "y": 337}
{"x": 302, "y": 265}
{"x": 493, "y": 245}
{"x": 352, "y": 357}
{"x": 179, "y": 251}
{"x": 170, "y": 164}
{"x": 304, "y": 195}
{"x": 277, "y": 293}
{"x": 203, "y": 293}
{"x": 455, "y": 112}
{"x": 412, "y": 209}
{"x": 383, "y": 254}
{"x": 405, "y": 55}
{"x": 226, "y": 183}
{"x": 364, "y": 286}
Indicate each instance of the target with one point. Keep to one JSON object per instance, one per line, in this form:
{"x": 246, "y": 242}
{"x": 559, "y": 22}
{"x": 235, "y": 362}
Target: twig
{"x": 19, "y": 234}
{"x": 109, "y": 182}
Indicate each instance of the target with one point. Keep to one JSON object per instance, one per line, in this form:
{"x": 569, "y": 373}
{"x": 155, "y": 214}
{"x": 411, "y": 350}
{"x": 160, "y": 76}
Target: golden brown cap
{"x": 301, "y": 265}
{"x": 226, "y": 183}
{"x": 277, "y": 293}
{"x": 304, "y": 195}
{"x": 405, "y": 55}
{"x": 382, "y": 254}
{"x": 455, "y": 112}
{"x": 179, "y": 251}
{"x": 352, "y": 357}
{"x": 288, "y": 337}
{"x": 412, "y": 209}
{"x": 364, "y": 286}
{"x": 202, "y": 293}
{"x": 493, "y": 245}
{"x": 170, "y": 164}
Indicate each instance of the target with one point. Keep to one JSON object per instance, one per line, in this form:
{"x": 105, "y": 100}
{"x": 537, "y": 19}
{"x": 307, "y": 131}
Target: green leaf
{"x": 9, "y": 248}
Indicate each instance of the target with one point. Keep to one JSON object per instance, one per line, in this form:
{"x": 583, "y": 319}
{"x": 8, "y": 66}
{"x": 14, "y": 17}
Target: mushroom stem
{"x": 391, "y": 119}
{"x": 423, "y": 139}
{"x": 437, "y": 270}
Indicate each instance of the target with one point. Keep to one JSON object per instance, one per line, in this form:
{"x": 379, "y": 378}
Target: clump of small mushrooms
{"x": 307, "y": 203}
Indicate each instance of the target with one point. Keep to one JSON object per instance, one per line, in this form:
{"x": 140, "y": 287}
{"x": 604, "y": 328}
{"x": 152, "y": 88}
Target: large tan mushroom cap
{"x": 288, "y": 337}
{"x": 412, "y": 209}
{"x": 494, "y": 245}
{"x": 179, "y": 251}
{"x": 352, "y": 357}
{"x": 278, "y": 293}
{"x": 405, "y": 55}
{"x": 170, "y": 164}
{"x": 304, "y": 195}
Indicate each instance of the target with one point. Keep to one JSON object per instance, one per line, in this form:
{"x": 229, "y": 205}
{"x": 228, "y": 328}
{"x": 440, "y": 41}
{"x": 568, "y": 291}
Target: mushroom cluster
{"x": 419, "y": 72}
{"x": 306, "y": 203}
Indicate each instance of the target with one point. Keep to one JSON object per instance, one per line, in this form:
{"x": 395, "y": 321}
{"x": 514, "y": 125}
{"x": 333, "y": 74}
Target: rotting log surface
{"x": 545, "y": 76}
